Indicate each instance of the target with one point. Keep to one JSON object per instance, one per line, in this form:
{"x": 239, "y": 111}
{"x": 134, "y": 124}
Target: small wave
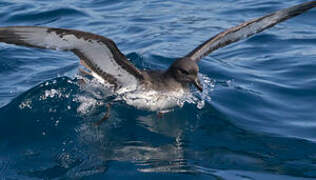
{"x": 3, "y": 168}
{"x": 38, "y": 16}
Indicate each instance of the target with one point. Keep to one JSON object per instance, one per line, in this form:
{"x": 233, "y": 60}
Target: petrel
{"x": 147, "y": 88}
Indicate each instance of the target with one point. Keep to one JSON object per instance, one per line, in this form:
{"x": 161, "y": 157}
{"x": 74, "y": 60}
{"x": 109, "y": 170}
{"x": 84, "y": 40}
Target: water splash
{"x": 87, "y": 104}
{"x": 198, "y": 97}
{"x": 27, "y": 103}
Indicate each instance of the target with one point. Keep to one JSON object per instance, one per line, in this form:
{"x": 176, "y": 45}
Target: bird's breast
{"x": 155, "y": 100}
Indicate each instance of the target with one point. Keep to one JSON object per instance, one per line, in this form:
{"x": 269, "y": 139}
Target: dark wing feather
{"x": 100, "y": 54}
{"x": 247, "y": 29}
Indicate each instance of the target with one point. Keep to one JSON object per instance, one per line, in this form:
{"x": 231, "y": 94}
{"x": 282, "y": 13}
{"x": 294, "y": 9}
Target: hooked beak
{"x": 198, "y": 85}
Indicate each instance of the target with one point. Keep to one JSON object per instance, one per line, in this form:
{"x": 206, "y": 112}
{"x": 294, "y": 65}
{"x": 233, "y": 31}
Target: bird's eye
{"x": 184, "y": 71}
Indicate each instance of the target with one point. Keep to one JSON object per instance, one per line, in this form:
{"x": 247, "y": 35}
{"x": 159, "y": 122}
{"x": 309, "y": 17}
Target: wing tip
{"x": 278, "y": 16}
{"x": 8, "y": 36}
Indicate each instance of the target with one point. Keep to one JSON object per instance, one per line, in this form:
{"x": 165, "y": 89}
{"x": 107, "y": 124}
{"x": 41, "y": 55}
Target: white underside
{"x": 153, "y": 100}
{"x": 148, "y": 100}
{"x": 158, "y": 101}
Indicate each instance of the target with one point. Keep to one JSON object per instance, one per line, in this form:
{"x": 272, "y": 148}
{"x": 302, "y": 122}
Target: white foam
{"x": 26, "y": 104}
{"x": 53, "y": 93}
{"x": 86, "y": 104}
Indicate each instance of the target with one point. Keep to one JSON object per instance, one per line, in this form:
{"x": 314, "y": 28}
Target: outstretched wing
{"x": 247, "y": 29}
{"x": 97, "y": 53}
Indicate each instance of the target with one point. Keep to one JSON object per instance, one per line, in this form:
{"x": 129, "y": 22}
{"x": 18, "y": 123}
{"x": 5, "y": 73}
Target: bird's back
{"x": 162, "y": 81}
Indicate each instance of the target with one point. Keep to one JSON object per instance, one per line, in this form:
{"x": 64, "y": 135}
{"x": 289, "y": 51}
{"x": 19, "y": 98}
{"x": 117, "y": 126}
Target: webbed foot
{"x": 106, "y": 116}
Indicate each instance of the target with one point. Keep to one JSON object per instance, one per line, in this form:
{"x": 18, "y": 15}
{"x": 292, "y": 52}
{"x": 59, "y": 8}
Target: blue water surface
{"x": 258, "y": 121}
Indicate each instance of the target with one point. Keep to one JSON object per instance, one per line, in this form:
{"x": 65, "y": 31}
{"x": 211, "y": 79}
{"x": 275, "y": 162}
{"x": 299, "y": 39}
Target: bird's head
{"x": 186, "y": 71}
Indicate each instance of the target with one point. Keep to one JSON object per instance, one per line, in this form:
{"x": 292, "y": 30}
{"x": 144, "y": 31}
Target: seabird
{"x": 104, "y": 60}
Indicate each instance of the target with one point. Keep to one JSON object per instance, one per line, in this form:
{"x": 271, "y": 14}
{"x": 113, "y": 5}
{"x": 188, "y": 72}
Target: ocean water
{"x": 256, "y": 119}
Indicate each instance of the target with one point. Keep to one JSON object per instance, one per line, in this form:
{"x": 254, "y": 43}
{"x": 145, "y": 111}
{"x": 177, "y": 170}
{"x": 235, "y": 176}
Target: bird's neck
{"x": 170, "y": 74}
{"x": 162, "y": 80}
{"x": 167, "y": 75}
